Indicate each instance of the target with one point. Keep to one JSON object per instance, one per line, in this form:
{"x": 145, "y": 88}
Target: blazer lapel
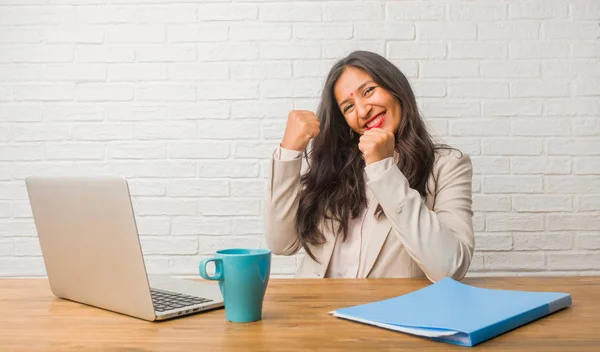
{"x": 324, "y": 253}
{"x": 378, "y": 236}
{"x": 325, "y": 257}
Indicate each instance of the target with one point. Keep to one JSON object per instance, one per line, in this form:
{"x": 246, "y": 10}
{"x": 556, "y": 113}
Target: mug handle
{"x": 218, "y": 269}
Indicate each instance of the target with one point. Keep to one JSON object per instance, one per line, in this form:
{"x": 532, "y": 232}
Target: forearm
{"x": 281, "y": 206}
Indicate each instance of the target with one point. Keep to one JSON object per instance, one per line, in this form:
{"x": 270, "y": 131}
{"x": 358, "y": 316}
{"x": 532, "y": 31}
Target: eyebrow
{"x": 359, "y": 88}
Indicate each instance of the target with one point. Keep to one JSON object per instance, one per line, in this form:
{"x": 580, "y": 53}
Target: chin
{"x": 390, "y": 129}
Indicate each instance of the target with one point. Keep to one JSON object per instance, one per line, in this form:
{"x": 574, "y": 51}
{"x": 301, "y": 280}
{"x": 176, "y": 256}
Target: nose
{"x": 363, "y": 109}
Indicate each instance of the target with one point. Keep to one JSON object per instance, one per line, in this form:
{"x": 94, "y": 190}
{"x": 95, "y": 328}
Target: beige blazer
{"x": 431, "y": 237}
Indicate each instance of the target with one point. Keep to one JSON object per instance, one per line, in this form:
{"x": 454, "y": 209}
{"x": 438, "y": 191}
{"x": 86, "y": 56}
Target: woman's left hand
{"x": 376, "y": 144}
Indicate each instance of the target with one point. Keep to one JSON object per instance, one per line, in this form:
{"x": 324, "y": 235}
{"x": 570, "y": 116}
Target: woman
{"x": 379, "y": 199}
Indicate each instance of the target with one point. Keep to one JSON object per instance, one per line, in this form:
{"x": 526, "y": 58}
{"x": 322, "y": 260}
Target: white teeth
{"x": 375, "y": 122}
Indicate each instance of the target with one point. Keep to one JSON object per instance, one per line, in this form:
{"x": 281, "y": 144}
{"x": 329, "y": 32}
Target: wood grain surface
{"x": 295, "y": 318}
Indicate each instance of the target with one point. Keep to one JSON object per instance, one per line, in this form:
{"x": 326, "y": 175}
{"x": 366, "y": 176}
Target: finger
{"x": 362, "y": 141}
{"x": 380, "y": 135}
{"x": 308, "y": 117}
{"x": 370, "y": 137}
{"x": 377, "y": 131}
{"x": 388, "y": 133}
{"x": 372, "y": 133}
{"x": 361, "y": 146}
{"x": 303, "y": 115}
{"x": 362, "y": 149}
{"x": 313, "y": 130}
{"x": 308, "y": 114}
{"x": 385, "y": 132}
{"x": 365, "y": 146}
{"x": 313, "y": 122}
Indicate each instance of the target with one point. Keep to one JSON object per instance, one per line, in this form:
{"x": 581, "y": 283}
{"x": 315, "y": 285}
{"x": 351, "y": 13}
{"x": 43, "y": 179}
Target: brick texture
{"x": 188, "y": 100}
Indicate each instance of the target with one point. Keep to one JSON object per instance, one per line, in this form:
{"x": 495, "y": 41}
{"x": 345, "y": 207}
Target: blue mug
{"x": 243, "y": 275}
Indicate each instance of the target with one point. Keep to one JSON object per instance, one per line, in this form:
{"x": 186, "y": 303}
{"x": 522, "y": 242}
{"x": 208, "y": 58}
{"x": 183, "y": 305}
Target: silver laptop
{"x": 92, "y": 252}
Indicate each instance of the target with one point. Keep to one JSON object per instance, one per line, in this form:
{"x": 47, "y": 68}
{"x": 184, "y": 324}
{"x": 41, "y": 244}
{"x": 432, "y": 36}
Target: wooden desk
{"x": 295, "y": 318}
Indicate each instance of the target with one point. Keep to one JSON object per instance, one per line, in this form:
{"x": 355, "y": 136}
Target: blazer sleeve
{"x": 281, "y": 206}
{"x": 440, "y": 240}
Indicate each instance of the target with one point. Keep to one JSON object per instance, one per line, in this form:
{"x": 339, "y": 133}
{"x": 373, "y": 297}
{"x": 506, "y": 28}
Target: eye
{"x": 369, "y": 90}
{"x": 348, "y": 108}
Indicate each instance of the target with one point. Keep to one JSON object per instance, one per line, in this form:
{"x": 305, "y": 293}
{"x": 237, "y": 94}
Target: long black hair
{"x": 333, "y": 188}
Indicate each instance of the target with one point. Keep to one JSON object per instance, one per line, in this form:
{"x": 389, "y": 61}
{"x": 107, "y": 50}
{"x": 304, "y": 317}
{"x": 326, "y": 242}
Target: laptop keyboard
{"x": 165, "y": 300}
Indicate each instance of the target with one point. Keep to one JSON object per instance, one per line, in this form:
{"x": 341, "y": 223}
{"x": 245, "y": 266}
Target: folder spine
{"x": 560, "y": 303}
{"x": 509, "y": 324}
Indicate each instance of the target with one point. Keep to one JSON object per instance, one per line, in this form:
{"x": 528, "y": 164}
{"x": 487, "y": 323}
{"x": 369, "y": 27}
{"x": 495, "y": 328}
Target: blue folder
{"x": 453, "y": 312}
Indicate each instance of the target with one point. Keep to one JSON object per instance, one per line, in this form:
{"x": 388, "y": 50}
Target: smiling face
{"x": 364, "y": 103}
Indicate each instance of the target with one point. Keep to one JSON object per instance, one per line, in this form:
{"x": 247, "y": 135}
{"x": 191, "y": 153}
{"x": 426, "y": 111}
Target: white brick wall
{"x": 188, "y": 99}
